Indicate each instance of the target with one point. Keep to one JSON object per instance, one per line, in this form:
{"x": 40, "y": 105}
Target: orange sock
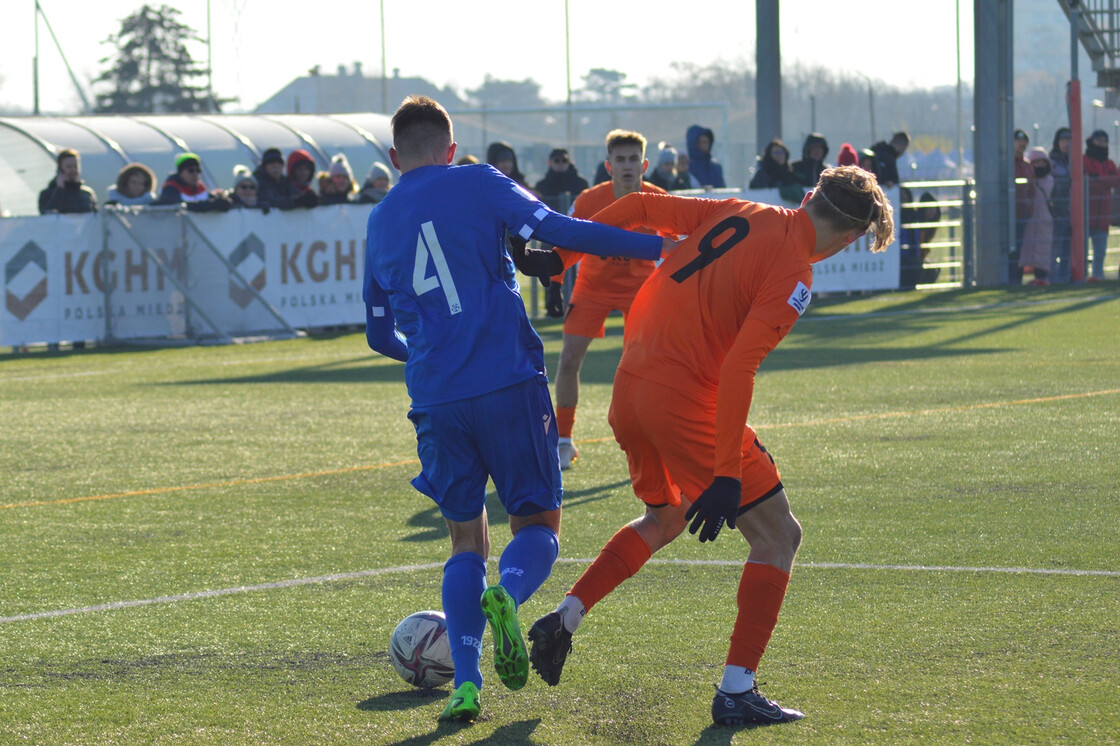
{"x": 565, "y": 421}
{"x": 623, "y": 556}
{"x": 762, "y": 588}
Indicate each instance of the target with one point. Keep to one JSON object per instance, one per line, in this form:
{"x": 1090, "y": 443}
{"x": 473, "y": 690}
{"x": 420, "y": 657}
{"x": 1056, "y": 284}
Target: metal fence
{"x": 937, "y": 234}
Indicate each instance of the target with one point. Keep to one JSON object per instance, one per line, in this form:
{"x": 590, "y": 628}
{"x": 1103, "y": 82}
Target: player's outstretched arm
{"x": 595, "y": 238}
{"x": 667, "y": 214}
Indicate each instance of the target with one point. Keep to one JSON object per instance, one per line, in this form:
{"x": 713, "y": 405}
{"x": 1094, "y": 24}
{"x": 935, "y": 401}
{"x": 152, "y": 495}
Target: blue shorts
{"x": 507, "y": 435}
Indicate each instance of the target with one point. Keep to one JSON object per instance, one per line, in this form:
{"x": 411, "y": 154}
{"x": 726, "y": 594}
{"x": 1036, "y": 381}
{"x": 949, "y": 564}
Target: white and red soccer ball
{"x": 420, "y": 650}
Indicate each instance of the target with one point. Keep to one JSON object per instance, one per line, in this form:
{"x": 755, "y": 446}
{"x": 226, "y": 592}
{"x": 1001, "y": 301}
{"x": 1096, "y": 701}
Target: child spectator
{"x": 868, "y": 161}
{"x": 134, "y": 186}
{"x": 847, "y": 156}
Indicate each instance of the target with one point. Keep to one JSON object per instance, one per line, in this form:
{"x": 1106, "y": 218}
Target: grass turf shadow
{"x": 432, "y": 527}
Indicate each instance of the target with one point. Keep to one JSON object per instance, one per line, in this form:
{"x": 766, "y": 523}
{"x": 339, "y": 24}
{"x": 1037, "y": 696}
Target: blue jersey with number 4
{"x": 437, "y": 268}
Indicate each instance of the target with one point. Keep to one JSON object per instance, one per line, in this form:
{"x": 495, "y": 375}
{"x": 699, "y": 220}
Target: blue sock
{"x": 464, "y": 580}
{"x": 527, "y": 561}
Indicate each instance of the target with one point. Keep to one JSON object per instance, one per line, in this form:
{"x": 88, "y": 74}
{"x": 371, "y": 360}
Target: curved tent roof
{"x": 28, "y": 146}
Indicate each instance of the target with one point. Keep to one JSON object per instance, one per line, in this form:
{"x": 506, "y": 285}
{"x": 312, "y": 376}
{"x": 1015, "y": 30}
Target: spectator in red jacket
{"x": 1103, "y": 177}
{"x": 1024, "y": 201}
{"x": 301, "y": 171}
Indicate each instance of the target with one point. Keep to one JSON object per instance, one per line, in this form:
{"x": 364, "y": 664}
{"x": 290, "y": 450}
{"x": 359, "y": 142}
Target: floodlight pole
{"x": 86, "y": 108}
{"x": 384, "y": 78}
{"x": 568, "y": 78}
{"x": 35, "y": 66}
{"x": 1076, "y": 162}
{"x": 960, "y": 126}
{"x": 209, "y": 62}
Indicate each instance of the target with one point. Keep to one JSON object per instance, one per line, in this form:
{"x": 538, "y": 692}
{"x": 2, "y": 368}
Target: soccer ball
{"x": 420, "y": 650}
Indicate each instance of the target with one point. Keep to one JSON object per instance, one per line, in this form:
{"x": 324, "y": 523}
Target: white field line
{"x": 571, "y": 560}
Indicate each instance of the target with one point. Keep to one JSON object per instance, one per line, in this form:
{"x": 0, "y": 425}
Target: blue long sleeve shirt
{"x": 440, "y": 287}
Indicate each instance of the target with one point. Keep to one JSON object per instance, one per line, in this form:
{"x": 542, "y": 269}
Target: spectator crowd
{"x": 1043, "y": 227}
{"x": 276, "y": 183}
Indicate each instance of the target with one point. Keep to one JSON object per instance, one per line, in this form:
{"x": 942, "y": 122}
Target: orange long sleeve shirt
{"x": 725, "y": 297}
{"x": 609, "y": 279}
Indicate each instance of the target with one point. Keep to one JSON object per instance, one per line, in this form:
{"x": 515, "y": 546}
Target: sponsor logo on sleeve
{"x": 800, "y": 298}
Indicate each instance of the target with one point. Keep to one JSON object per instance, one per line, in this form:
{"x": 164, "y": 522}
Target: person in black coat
{"x": 813, "y": 152}
{"x": 773, "y": 170}
{"x": 273, "y": 186}
{"x": 562, "y": 176}
{"x": 888, "y": 155}
{"x": 66, "y": 193}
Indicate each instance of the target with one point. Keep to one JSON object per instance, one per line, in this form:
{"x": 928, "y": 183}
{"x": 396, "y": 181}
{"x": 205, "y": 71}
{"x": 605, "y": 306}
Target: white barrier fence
{"x": 115, "y": 276}
{"x": 164, "y": 274}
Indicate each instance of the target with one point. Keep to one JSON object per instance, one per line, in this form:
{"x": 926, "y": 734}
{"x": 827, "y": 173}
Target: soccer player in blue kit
{"x": 441, "y": 295}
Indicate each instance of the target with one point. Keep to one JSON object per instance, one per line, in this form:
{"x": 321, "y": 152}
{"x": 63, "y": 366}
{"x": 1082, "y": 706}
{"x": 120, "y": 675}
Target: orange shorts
{"x": 670, "y": 439}
{"x": 586, "y": 317}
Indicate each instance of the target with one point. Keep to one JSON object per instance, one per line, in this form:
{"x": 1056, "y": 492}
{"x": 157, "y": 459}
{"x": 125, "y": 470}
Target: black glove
{"x": 554, "y": 300}
{"x": 717, "y": 504}
{"x": 539, "y": 263}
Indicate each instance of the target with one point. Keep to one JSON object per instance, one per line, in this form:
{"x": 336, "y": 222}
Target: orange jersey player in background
{"x": 697, "y": 332}
{"x": 603, "y": 284}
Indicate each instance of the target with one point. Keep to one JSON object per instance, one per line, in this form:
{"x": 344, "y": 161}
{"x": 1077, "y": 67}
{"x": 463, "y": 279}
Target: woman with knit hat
{"x": 339, "y": 186}
{"x": 246, "y": 190}
{"x": 376, "y": 185}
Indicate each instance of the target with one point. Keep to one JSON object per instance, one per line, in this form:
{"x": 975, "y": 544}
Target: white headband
{"x": 850, "y": 217}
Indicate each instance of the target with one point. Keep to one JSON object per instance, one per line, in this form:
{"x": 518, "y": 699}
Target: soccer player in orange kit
{"x": 604, "y": 283}
{"x": 697, "y": 332}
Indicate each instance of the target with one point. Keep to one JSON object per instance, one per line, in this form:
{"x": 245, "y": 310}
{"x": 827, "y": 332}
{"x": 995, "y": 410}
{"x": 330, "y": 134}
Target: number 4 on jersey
{"x": 427, "y": 244}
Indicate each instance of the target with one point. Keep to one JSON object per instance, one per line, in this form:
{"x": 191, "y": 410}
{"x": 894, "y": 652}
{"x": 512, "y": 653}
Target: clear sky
{"x": 259, "y": 45}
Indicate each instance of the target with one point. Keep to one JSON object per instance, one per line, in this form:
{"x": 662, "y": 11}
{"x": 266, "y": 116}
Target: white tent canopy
{"x": 28, "y": 146}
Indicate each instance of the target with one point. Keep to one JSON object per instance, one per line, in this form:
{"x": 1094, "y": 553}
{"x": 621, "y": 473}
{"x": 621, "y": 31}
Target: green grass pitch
{"x": 211, "y": 545}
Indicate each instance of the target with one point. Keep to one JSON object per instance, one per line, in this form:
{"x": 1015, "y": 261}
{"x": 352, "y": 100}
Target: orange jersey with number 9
{"x": 719, "y": 303}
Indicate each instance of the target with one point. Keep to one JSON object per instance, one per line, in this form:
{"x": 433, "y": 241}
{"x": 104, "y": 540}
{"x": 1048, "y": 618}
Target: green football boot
{"x": 463, "y": 705}
{"x": 511, "y": 659}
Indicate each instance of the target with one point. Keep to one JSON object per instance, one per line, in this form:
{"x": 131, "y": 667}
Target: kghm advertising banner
{"x": 170, "y": 274}
{"x": 115, "y": 276}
